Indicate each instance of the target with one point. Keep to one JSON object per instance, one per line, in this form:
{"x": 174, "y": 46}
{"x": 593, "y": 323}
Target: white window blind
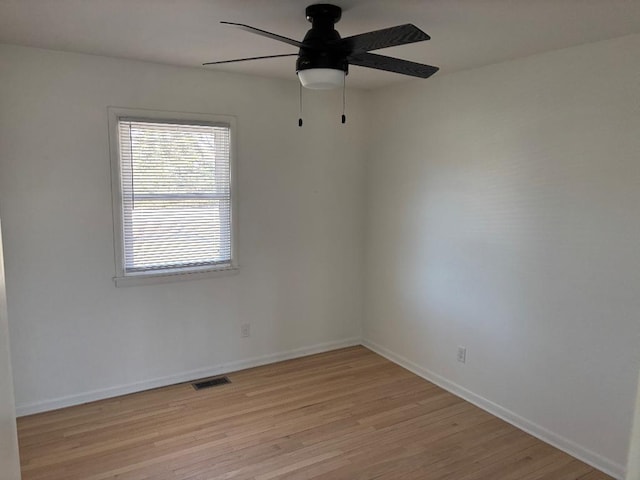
{"x": 175, "y": 184}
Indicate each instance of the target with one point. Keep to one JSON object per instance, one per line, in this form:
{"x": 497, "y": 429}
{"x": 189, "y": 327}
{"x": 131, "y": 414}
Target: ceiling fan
{"x": 324, "y": 57}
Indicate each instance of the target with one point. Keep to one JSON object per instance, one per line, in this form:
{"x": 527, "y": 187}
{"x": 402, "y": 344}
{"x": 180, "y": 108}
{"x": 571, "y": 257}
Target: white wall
{"x": 9, "y": 458}
{"x": 75, "y": 336}
{"x": 503, "y": 216}
{"x": 633, "y": 462}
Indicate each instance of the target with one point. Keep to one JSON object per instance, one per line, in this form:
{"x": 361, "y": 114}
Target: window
{"x": 173, "y": 195}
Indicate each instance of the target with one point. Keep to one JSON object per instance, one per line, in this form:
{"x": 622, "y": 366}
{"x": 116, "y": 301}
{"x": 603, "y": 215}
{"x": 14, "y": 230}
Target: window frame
{"x": 122, "y": 278}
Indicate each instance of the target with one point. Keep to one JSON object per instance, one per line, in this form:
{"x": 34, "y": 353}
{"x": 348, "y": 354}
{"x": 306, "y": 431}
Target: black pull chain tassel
{"x": 300, "y": 119}
{"x": 344, "y": 99}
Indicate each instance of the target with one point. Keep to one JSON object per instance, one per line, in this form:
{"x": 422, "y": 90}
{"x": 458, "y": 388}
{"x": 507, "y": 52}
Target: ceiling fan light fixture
{"x": 321, "y": 78}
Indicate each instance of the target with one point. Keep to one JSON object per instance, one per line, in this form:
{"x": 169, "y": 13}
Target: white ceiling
{"x": 465, "y": 33}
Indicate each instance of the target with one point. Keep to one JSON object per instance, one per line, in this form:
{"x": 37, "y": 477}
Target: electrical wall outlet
{"x": 245, "y": 330}
{"x": 462, "y": 354}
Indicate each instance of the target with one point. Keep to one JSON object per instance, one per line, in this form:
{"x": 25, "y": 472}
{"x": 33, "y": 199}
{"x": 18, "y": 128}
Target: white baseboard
{"x": 109, "y": 392}
{"x": 587, "y": 456}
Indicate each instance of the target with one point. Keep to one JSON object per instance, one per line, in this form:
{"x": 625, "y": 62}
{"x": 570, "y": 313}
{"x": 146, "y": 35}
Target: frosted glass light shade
{"x": 321, "y": 78}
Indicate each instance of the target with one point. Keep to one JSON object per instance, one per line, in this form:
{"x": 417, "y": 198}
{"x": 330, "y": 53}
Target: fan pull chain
{"x": 344, "y": 99}
{"x": 300, "y": 119}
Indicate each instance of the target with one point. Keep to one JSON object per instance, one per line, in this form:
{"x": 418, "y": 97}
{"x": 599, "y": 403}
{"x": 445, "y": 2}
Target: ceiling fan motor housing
{"x": 323, "y": 18}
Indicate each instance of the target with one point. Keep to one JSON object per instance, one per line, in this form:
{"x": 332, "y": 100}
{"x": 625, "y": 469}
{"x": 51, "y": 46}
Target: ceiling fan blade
{"x": 251, "y": 58}
{"x": 387, "y": 37}
{"x": 264, "y": 33}
{"x": 390, "y": 64}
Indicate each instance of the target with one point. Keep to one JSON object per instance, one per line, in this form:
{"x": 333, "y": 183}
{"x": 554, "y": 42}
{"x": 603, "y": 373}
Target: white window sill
{"x": 157, "y": 278}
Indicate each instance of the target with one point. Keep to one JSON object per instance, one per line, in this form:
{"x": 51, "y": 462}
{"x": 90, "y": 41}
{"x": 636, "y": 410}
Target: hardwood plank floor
{"x": 343, "y": 415}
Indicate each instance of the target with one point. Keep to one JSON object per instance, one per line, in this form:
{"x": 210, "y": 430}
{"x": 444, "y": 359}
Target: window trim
{"x": 122, "y": 278}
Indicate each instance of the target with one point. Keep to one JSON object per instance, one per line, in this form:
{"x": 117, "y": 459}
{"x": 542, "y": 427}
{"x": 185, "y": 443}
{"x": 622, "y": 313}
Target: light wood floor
{"x": 343, "y": 415}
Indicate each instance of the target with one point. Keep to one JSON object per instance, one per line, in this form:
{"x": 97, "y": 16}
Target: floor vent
{"x": 212, "y": 382}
